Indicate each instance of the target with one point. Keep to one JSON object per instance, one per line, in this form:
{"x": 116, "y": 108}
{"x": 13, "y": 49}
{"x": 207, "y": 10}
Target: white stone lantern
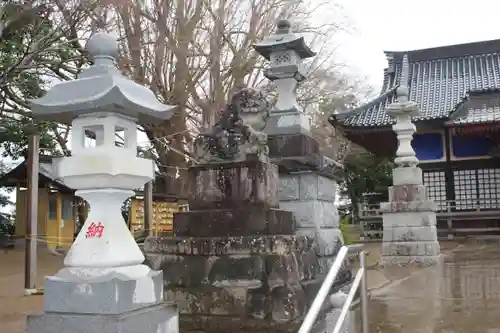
{"x": 402, "y": 111}
{"x": 285, "y": 51}
{"x": 104, "y": 256}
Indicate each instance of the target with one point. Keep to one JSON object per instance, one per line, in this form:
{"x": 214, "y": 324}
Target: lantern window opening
{"x": 93, "y": 136}
{"x": 121, "y": 137}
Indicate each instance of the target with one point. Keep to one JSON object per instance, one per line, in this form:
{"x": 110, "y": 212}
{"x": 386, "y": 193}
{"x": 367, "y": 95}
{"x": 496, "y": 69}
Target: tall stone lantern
{"x": 285, "y": 51}
{"x": 409, "y": 217}
{"x": 104, "y": 286}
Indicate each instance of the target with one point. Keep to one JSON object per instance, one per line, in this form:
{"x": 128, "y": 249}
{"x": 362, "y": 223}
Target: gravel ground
{"x": 14, "y": 305}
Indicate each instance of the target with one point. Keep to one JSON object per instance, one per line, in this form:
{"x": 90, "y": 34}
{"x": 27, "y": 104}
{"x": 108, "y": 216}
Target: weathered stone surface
{"x": 407, "y": 176}
{"x": 238, "y": 221}
{"x": 217, "y": 246}
{"x": 229, "y": 185}
{"x": 263, "y": 281}
{"x": 108, "y": 295}
{"x": 313, "y": 213}
{"x": 407, "y": 234}
{"x": 209, "y": 300}
{"x": 329, "y": 240}
{"x": 252, "y": 271}
{"x": 306, "y": 186}
{"x": 289, "y": 188}
{"x": 423, "y": 261}
{"x": 327, "y": 188}
{"x": 407, "y": 193}
{"x": 411, "y": 219}
{"x": 292, "y": 145}
{"x": 411, "y": 249}
{"x": 408, "y": 206}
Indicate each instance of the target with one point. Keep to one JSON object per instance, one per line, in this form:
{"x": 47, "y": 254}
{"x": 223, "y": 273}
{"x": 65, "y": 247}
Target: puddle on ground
{"x": 461, "y": 295}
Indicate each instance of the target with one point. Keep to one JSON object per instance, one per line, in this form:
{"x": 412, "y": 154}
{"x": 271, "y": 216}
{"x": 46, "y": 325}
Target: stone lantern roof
{"x": 283, "y": 40}
{"x": 101, "y": 88}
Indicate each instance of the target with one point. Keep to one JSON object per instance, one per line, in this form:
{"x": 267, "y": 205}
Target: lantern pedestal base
{"x": 290, "y": 121}
{"x": 161, "y": 318}
{"x": 111, "y": 302}
{"x": 77, "y": 291}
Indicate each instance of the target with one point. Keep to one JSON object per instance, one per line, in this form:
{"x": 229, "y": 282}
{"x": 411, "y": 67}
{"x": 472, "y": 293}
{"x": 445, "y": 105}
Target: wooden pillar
{"x": 59, "y": 234}
{"x": 450, "y": 184}
{"x": 31, "y": 215}
{"x": 148, "y": 208}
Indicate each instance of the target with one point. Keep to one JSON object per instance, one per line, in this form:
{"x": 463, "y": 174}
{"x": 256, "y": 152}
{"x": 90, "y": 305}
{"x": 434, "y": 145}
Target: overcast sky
{"x": 391, "y": 25}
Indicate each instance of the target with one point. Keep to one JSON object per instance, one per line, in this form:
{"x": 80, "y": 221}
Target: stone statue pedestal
{"x": 235, "y": 263}
{"x": 409, "y": 221}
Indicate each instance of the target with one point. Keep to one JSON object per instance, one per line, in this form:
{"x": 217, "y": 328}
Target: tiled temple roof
{"x": 442, "y": 81}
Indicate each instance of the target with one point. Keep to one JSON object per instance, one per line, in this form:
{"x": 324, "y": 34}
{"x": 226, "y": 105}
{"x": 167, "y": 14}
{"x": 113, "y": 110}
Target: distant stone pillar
{"x": 308, "y": 180}
{"x": 285, "y": 52}
{"x": 409, "y": 218}
{"x": 104, "y": 286}
{"x": 308, "y": 184}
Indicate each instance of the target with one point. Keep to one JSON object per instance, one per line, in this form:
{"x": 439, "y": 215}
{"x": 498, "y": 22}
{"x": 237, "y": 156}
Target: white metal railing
{"x": 324, "y": 291}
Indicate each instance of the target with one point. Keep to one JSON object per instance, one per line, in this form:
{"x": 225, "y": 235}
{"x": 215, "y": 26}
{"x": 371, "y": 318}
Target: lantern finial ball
{"x": 283, "y": 26}
{"x": 102, "y": 44}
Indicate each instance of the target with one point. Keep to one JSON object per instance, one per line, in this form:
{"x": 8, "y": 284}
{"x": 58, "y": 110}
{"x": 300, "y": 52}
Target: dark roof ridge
{"x": 375, "y": 100}
{"x": 458, "y": 110}
{"x": 380, "y": 98}
{"x": 448, "y": 51}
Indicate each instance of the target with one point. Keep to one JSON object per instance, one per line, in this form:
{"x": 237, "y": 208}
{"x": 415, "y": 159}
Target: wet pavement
{"x": 462, "y": 294}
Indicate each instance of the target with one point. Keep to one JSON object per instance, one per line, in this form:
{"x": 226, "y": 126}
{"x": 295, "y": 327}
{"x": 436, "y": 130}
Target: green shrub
{"x": 345, "y": 229}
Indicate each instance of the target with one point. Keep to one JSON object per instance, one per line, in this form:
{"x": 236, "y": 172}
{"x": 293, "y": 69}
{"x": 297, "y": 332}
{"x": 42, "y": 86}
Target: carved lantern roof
{"x": 283, "y": 40}
{"x": 101, "y": 88}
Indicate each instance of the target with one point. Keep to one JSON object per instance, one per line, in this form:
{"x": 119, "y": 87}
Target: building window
{"x": 436, "y": 187}
{"x": 428, "y": 146}
{"x": 466, "y": 147}
{"x": 66, "y": 208}
{"x": 465, "y": 182}
{"x": 52, "y": 207}
{"x": 477, "y": 188}
{"x": 488, "y": 186}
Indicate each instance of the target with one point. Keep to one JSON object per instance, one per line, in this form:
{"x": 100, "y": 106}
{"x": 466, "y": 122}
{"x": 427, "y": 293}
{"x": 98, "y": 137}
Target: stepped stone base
{"x": 161, "y": 318}
{"x": 242, "y": 220}
{"x": 241, "y": 284}
{"x": 112, "y": 303}
{"x": 409, "y": 220}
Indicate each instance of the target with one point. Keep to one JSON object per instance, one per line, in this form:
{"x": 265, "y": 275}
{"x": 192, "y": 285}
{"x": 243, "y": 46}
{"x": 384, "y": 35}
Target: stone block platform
{"x": 236, "y": 263}
{"x": 409, "y": 221}
{"x": 228, "y": 185}
{"x": 241, "y": 284}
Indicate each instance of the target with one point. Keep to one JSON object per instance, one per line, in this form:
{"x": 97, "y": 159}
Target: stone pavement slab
{"x": 460, "y": 295}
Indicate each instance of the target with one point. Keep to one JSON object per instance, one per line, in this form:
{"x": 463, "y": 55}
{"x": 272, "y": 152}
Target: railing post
{"x": 364, "y": 294}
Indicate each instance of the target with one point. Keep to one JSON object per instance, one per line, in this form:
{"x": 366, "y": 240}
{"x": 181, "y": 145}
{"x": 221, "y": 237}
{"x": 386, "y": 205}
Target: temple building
{"x": 457, "y": 142}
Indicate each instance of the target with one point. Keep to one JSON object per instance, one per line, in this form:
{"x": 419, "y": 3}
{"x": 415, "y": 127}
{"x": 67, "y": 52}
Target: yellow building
{"x": 58, "y": 207}
{"x": 163, "y": 215}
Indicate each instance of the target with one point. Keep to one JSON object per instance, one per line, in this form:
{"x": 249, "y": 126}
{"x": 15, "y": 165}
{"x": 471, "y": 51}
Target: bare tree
{"x": 191, "y": 53}
{"x": 41, "y": 45}
{"x": 194, "y": 53}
